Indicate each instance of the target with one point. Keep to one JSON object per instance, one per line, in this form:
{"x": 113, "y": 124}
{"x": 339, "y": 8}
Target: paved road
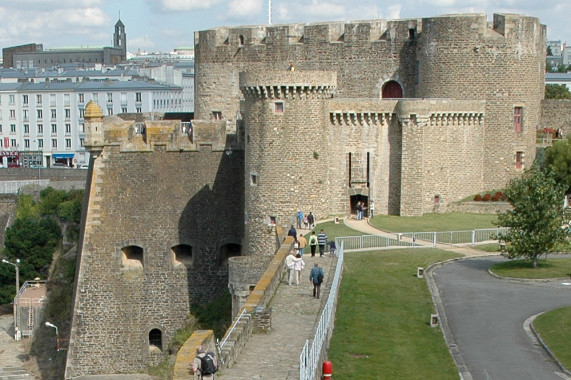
{"x": 486, "y": 315}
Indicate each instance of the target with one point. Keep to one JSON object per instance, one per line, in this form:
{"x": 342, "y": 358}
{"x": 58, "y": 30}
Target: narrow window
{"x": 368, "y": 168}
{"x": 241, "y": 41}
{"x": 349, "y": 166}
{"x": 411, "y": 34}
{"x": 253, "y": 179}
{"x": 132, "y": 257}
{"x": 155, "y": 339}
{"x": 227, "y": 251}
{"x": 279, "y": 107}
{"x": 519, "y": 160}
{"x": 518, "y": 119}
{"x": 217, "y": 115}
{"x": 182, "y": 255}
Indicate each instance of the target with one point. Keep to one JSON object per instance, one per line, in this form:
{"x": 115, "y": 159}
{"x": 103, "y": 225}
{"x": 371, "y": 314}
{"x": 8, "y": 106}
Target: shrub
{"x": 486, "y": 197}
{"x": 478, "y": 198}
{"x": 498, "y": 196}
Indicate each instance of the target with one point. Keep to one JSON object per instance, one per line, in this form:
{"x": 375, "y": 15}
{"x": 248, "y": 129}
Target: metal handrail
{"x": 229, "y": 332}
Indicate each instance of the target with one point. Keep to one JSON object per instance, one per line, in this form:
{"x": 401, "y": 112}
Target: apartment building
{"x": 41, "y": 122}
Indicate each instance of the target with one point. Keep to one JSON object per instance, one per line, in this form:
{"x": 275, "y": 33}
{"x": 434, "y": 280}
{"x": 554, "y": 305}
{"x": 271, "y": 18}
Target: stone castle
{"x": 411, "y": 114}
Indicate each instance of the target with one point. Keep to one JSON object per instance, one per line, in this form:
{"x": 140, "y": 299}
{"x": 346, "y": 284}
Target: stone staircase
{"x": 13, "y": 373}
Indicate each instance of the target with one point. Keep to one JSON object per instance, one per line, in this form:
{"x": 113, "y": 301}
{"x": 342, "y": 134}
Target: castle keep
{"x": 411, "y": 114}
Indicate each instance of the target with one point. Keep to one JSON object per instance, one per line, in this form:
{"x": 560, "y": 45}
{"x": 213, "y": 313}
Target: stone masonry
{"x": 406, "y": 113}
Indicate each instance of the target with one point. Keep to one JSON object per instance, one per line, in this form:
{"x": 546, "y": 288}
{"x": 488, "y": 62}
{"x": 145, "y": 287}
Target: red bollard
{"x": 327, "y": 370}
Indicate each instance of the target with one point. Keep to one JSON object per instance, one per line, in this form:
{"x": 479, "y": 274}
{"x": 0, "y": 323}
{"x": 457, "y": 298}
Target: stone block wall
{"x": 555, "y": 114}
{"x": 457, "y": 57}
{"x": 131, "y": 280}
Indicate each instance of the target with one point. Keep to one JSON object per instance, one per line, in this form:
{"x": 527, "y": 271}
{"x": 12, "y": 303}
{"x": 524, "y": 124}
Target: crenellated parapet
{"x": 144, "y": 133}
{"x": 365, "y": 31}
{"x": 437, "y": 112}
{"x": 289, "y": 84}
{"x": 457, "y": 118}
{"x": 352, "y": 118}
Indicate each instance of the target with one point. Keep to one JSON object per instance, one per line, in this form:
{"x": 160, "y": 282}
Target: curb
{"x": 532, "y": 333}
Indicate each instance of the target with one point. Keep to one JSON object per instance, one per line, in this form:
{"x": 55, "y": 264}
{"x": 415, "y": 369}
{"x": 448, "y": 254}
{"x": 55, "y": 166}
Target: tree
{"x": 557, "y": 91}
{"x": 33, "y": 241}
{"x": 536, "y": 221}
{"x": 558, "y": 161}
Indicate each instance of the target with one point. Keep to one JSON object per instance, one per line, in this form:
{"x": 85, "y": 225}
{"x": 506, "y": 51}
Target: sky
{"x": 163, "y": 25}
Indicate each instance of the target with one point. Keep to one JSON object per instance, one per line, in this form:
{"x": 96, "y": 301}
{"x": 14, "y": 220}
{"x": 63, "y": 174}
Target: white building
{"x": 41, "y": 121}
{"x": 556, "y": 47}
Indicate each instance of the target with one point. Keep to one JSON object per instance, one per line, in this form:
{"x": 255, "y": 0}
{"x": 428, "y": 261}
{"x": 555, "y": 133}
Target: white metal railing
{"x": 419, "y": 239}
{"x": 310, "y": 354}
{"x": 229, "y": 332}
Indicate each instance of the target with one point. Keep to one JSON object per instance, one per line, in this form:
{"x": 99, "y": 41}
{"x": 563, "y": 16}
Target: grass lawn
{"x": 555, "y": 330}
{"x": 382, "y": 324}
{"x": 492, "y": 247}
{"x": 546, "y": 268}
{"x": 434, "y": 222}
{"x": 334, "y": 230}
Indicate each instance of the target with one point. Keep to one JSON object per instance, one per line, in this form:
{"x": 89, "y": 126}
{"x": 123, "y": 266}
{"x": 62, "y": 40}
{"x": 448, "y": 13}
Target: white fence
{"x": 419, "y": 239}
{"x": 310, "y": 354}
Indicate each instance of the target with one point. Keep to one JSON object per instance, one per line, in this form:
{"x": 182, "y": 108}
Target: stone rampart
{"x": 555, "y": 114}
{"x": 156, "y": 238}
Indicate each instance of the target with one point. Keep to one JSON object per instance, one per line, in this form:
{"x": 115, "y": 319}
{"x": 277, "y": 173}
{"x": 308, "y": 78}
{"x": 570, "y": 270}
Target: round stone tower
{"x": 503, "y": 62}
{"x": 287, "y": 147}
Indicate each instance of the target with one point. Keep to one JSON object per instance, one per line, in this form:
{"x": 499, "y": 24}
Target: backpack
{"x": 207, "y": 366}
{"x": 319, "y": 278}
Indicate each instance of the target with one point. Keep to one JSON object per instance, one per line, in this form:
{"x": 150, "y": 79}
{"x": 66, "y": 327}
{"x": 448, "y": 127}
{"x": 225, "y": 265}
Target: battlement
{"x": 507, "y": 25}
{"x": 146, "y": 132}
{"x": 289, "y": 84}
{"x": 436, "y": 111}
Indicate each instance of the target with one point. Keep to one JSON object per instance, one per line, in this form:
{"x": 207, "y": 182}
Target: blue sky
{"x": 162, "y": 25}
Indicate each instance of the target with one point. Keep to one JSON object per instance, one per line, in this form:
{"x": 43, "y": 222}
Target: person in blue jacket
{"x": 316, "y": 278}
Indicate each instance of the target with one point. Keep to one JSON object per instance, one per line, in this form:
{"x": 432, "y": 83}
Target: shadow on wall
{"x": 211, "y": 225}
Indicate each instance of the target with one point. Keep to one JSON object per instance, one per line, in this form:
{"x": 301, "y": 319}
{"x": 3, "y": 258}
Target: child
{"x": 332, "y": 248}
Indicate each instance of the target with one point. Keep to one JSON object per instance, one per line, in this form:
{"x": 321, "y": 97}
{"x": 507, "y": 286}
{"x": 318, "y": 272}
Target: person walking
{"x": 292, "y": 232}
{"x": 299, "y": 219}
{"x": 204, "y": 363}
{"x": 298, "y": 266}
{"x": 310, "y": 220}
{"x": 322, "y": 241}
{"x": 313, "y": 243}
{"x": 302, "y": 243}
{"x": 289, "y": 264}
{"x": 316, "y": 278}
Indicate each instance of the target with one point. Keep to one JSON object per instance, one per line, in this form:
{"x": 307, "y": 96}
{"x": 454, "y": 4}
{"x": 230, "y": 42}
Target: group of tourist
{"x": 308, "y": 221}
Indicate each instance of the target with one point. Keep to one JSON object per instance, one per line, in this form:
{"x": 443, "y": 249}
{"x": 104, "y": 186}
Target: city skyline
{"x": 163, "y": 25}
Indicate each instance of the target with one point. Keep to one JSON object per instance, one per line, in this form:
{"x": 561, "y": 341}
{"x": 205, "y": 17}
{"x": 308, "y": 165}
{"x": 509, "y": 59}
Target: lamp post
{"x": 57, "y": 333}
{"x": 17, "y": 266}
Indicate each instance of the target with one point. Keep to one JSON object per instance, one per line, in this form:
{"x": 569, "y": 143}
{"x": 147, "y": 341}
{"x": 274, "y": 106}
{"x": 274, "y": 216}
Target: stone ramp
{"x": 294, "y": 319}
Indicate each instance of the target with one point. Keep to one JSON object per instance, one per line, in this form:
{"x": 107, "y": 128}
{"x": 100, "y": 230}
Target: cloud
{"x": 187, "y": 5}
{"x": 142, "y": 42}
{"x": 245, "y": 8}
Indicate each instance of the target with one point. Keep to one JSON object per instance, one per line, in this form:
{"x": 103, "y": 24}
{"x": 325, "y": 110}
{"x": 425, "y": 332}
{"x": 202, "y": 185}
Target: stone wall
{"x": 478, "y": 207}
{"x": 555, "y": 114}
{"x": 446, "y": 58}
{"x": 157, "y": 219}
